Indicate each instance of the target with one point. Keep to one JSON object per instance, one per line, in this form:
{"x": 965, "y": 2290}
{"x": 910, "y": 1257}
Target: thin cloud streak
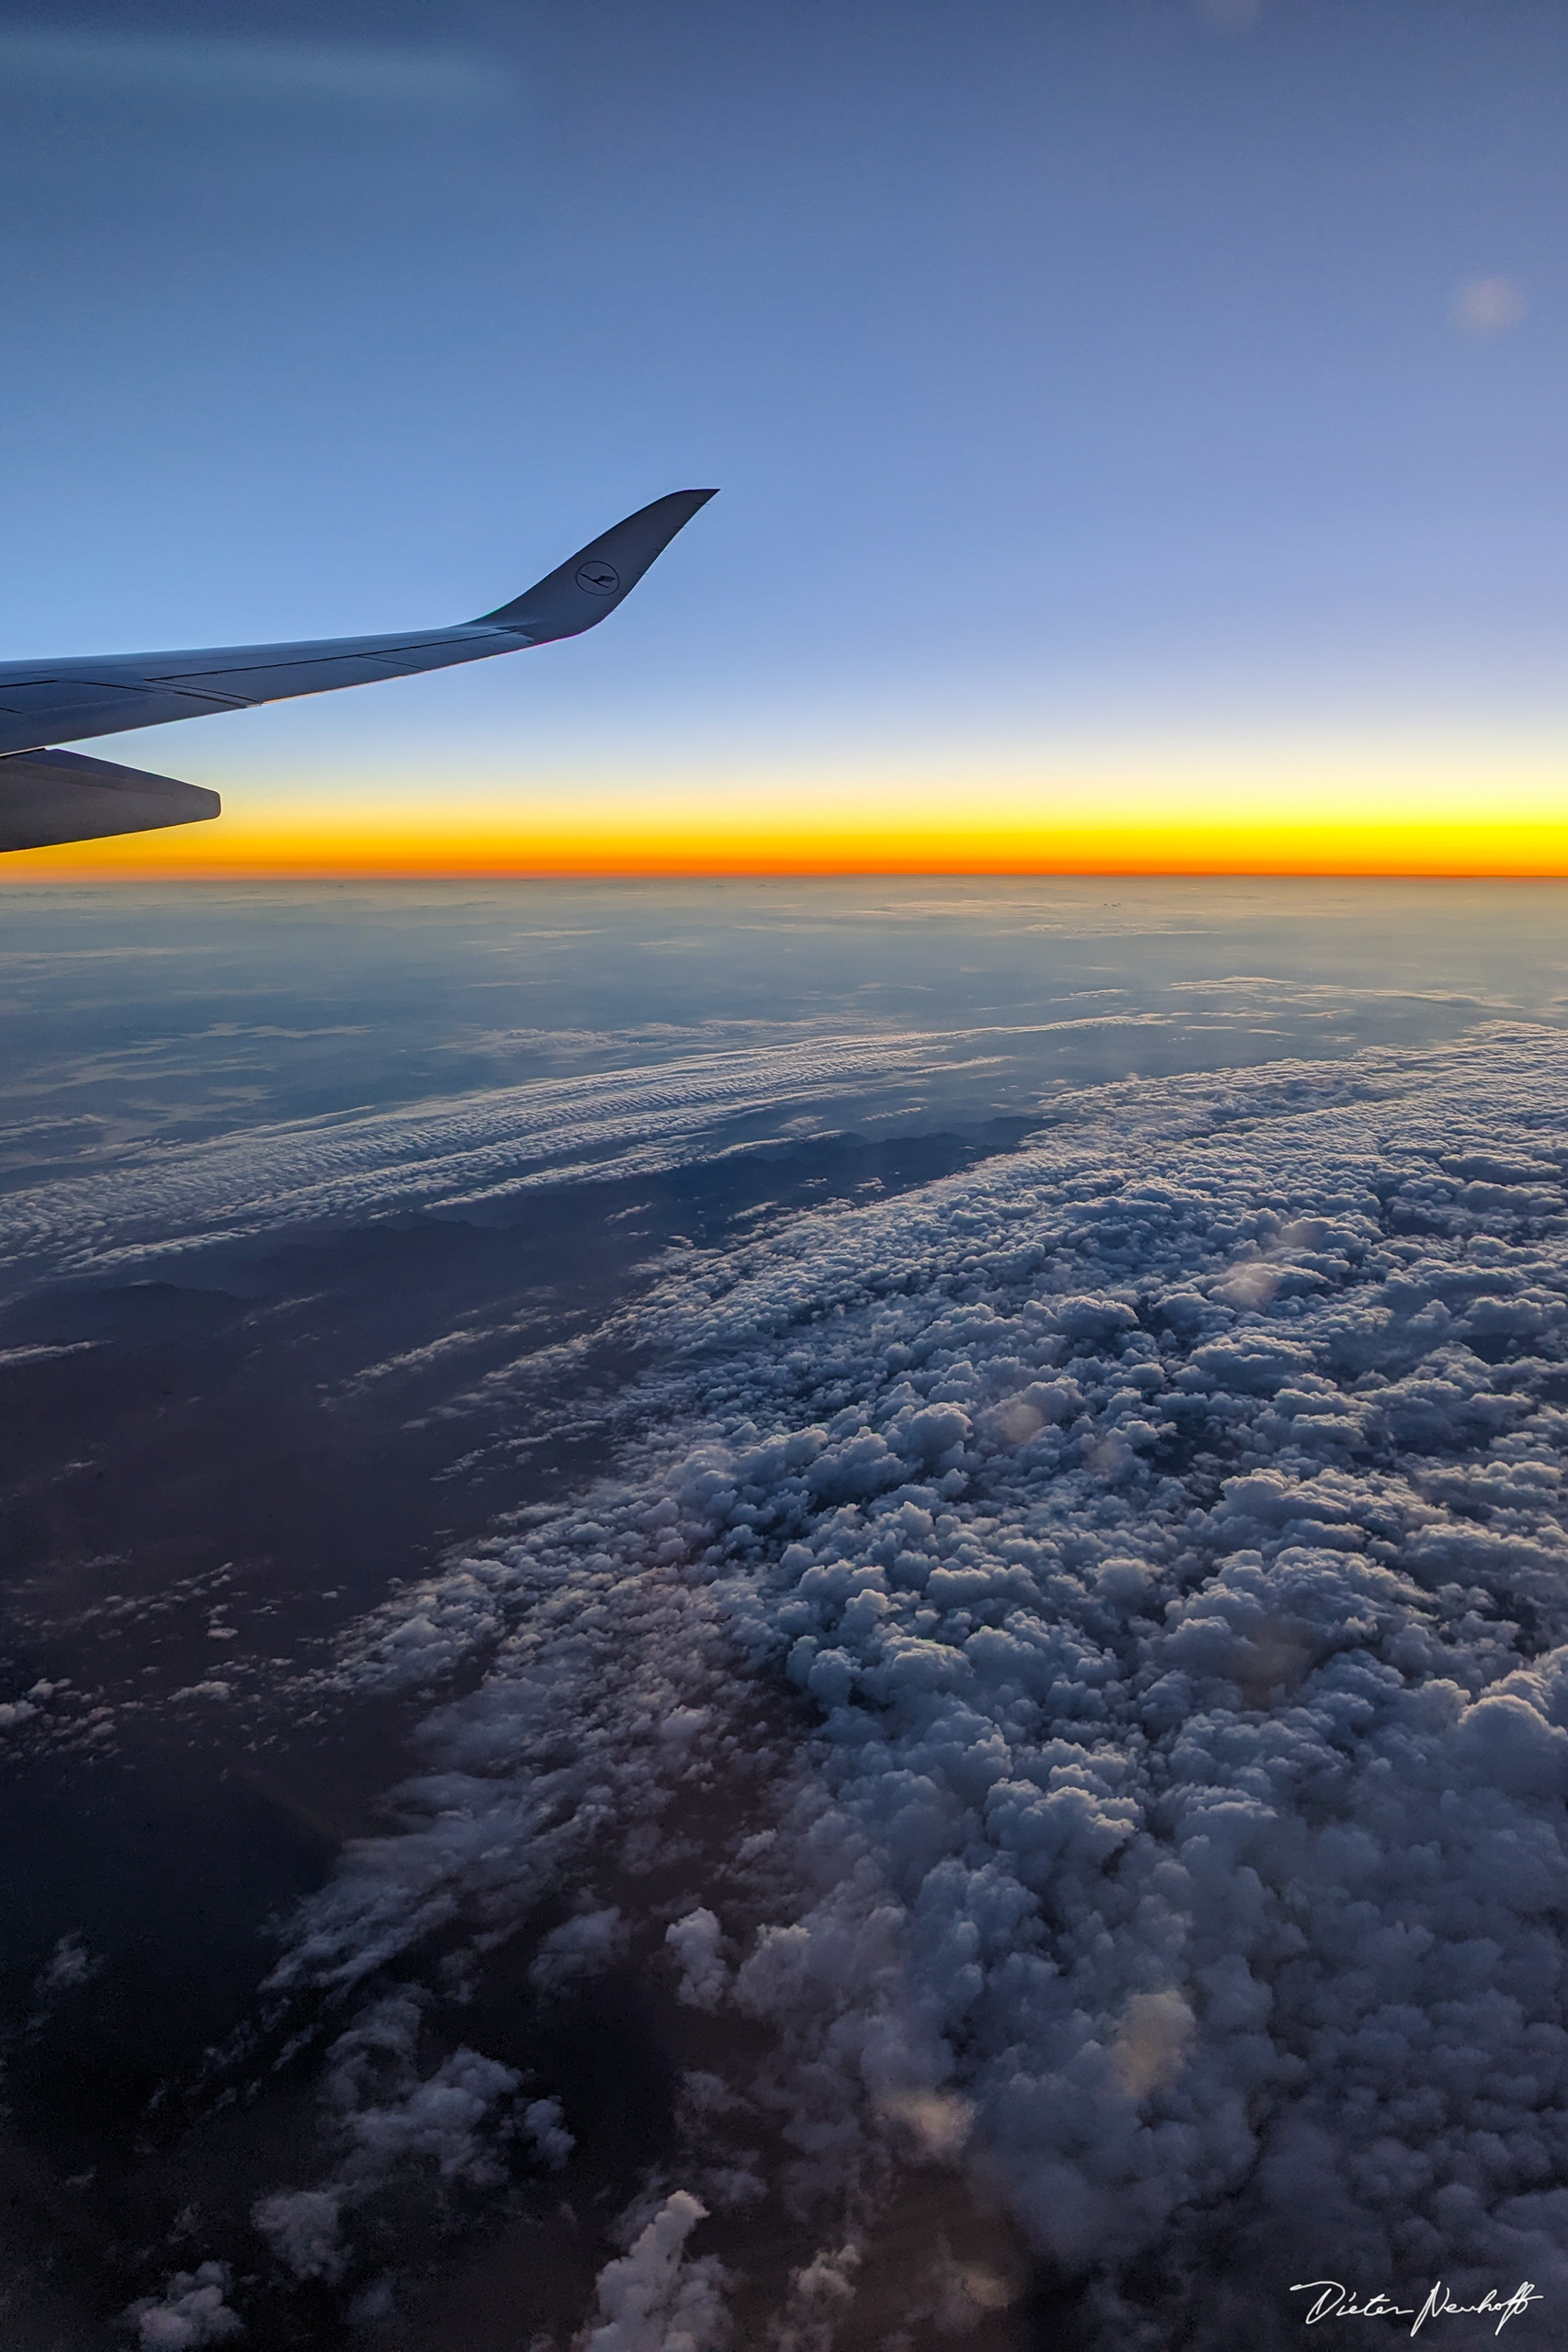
{"x": 235, "y": 66}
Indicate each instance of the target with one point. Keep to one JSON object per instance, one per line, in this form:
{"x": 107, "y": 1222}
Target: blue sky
{"x": 1077, "y": 372}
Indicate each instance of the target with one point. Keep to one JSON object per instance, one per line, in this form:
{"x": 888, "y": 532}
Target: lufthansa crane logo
{"x": 599, "y": 579}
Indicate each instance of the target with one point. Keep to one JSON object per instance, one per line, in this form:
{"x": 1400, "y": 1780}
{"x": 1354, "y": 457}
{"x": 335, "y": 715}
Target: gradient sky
{"x": 1140, "y": 423}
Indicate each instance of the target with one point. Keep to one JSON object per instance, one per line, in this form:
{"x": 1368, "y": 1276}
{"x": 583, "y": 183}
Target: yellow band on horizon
{"x": 369, "y": 843}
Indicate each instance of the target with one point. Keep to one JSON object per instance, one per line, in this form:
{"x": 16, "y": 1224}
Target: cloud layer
{"x": 453, "y": 1152}
{"x": 1069, "y": 1692}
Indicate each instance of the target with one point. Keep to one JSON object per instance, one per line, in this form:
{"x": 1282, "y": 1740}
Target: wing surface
{"x": 54, "y": 797}
{"x": 42, "y": 701}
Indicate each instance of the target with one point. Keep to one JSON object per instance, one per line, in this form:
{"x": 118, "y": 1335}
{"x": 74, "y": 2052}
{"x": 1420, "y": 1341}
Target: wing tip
{"x": 580, "y": 592}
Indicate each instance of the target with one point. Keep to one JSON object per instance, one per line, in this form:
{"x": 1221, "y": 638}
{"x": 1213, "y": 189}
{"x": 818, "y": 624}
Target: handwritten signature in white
{"x": 1337, "y": 2302}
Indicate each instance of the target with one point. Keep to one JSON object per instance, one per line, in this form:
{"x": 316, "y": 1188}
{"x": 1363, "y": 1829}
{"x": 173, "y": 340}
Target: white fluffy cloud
{"x": 301, "y": 2227}
{"x": 1163, "y": 1527}
{"x": 385, "y": 2121}
{"x": 696, "y": 1941}
{"x": 192, "y": 2310}
{"x": 653, "y": 2299}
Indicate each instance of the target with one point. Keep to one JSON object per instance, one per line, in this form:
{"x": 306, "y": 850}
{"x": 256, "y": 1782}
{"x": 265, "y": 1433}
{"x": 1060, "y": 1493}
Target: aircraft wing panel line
{"x": 122, "y": 669}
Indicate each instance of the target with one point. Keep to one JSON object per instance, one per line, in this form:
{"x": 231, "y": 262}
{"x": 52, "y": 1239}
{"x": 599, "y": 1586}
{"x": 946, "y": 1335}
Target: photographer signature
{"x": 1337, "y": 2301}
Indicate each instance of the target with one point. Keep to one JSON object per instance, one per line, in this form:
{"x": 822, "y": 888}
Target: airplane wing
{"x": 42, "y": 701}
{"x": 55, "y": 797}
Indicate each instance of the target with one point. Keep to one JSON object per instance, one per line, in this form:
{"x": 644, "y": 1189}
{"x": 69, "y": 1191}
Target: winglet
{"x": 592, "y": 581}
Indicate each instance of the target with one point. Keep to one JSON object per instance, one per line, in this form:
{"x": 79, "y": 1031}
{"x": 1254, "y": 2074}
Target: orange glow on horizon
{"x": 1398, "y": 807}
{"x": 344, "y": 845}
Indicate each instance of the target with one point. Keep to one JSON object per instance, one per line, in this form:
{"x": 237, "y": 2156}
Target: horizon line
{"x": 117, "y": 876}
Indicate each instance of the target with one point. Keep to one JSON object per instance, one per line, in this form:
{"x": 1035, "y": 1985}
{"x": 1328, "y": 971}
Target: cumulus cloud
{"x": 696, "y": 1942}
{"x": 69, "y": 1965}
{"x": 447, "y": 2129}
{"x": 1162, "y": 1528}
{"x": 653, "y": 2299}
{"x": 585, "y": 1946}
{"x": 440, "y": 2120}
{"x": 541, "y": 2125}
{"x": 1150, "y": 2042}
{"x": 192, "y": 2310}
{"x": 301, "y": 2227}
